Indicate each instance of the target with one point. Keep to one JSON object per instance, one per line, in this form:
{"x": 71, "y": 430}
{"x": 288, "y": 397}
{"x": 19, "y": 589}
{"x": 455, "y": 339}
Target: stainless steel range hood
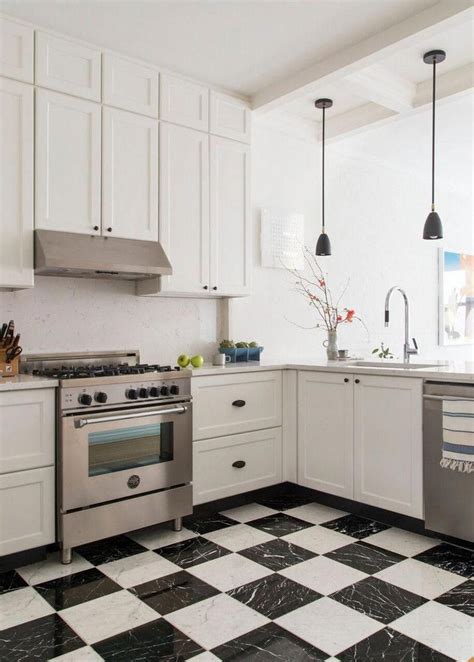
{"x": 83, "y": 256}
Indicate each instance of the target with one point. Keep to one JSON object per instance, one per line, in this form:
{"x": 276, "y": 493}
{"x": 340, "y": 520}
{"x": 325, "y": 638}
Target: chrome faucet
{"x": 407, "y": 349}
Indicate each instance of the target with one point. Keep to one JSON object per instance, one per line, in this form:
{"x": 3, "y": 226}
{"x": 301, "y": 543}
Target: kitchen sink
{"x": 393, "y": 364}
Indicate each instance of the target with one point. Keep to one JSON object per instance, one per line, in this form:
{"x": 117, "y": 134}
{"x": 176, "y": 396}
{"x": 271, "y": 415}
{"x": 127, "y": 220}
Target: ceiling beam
{"x": 379, "y": 85}
{"x": 371, "y": 51}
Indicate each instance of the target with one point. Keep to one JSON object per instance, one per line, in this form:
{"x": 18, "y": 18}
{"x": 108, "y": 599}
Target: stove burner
{"x": 87, "y": 371}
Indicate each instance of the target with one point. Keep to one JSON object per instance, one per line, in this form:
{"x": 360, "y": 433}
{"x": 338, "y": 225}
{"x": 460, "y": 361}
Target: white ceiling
{"x": 242, "y": 46}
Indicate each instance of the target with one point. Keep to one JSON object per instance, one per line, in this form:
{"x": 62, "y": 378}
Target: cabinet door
{"x": 230, "y": 226}
{"x": 16, "y": 50}
{"x": 16, "y": 185}
{"x": 68, "y": 158}
{"x": 229, "y": 117}
{"x": 67, "y": 66}
{"x": 129, "y": 85}
{"x": 27, "y": 508}
{"x": 325, "y": 432}
{"x": 184, "y": 102}
{"x": 184, "y": 207}
{"x": 388, "y": 443}
{"x": 130, "y": 175}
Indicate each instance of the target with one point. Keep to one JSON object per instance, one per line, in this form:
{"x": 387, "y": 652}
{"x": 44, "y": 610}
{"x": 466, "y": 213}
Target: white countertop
{"x": 25, "y": 382}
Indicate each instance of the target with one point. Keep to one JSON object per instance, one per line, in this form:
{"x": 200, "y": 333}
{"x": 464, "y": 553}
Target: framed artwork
{"x": 456, "y": 298}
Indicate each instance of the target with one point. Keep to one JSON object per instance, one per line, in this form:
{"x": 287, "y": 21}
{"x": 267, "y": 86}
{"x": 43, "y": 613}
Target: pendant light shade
{"x": 433, "y": 228}
{"x": 323, "y": 246}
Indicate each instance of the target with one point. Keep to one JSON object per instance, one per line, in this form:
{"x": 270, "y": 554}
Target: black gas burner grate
{"x": 88, "y": 371}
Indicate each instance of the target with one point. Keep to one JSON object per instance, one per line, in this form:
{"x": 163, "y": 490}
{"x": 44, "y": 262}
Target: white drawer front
{"x": 27, "y": 424}
{"x": 184, "y": 102}
{"x": 229, "y": 117}
{"x": 129, "y": 85}
{"x": 217, "y": 399}
{"x": 16, "y": 50}
{"x": 214, "y": 473}
{"x": 26, "y": 510}
{"x": 67, "y": 66}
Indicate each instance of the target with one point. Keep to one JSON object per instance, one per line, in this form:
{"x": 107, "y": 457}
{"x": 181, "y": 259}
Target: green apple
{"x": 197, "y": 361}
{"x": 183, "y": 360}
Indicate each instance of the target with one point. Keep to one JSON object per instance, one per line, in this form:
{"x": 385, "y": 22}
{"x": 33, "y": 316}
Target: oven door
{"x": 112, "y": 455}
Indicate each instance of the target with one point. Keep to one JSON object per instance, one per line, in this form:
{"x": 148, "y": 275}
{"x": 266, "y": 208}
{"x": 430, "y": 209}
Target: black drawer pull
{"x": 238, "y": 464}
{"x": 357, "y": 381}
{"x": 238, "y": 403}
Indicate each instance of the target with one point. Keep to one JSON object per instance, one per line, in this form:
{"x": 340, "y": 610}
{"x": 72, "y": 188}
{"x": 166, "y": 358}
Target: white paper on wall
{"x": 282, "y": 240}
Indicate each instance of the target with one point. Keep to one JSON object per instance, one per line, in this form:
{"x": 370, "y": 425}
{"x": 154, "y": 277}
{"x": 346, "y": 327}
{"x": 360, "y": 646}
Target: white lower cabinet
{"x": 237, "y": 463}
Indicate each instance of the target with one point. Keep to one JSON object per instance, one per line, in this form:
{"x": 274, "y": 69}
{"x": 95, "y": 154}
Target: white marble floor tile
{"x": 207, "y": 656}
{"x": 328, "y": 625}
{"x": 249, "y": 512}
{"x": 316, "y": 513}
{"x": 318, "y": 539}
{"x": 229, "y": 571}
{"x": 420, "y": 578}
{"x": 238, "y": 537}
{"x": 160, "y": 535}
{"x": 52, "y": 568}
{"x": 216, "y": 620}
{"x": 402, "y": 542}
{"x": 323, "y": 575}
{"x": 107, "y": 616}
{"x": 138, "y": 569}
{"x": 84, "y": 654}
{"x": 21, "y": 606}
{"x": 446, "y": 630}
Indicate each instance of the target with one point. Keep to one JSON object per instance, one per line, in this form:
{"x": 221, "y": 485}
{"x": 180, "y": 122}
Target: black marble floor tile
{"x": 173, "y": 592}
{"x": 375, "y": 598}
{"x": 460, "y": 597}
{"x": 285, "y": 501}
{"x": 449, "y": 557}
{"x": 274, "y": 595}
{"x": 76, "y": 588}
{"x": 207, "y": 523}
{"x": 40, "y": 639}
{"x": 269, "y": 643}
{"x": 192, "y": 552}
{"x": 391, "y": 646}
{"x": 157, "y": 640}
{"x": 277, "y": 554}
{"x": 365, "y": 557}
{"x": 279, "y": 524}
{"x": 355, "y": 526}
{"x": 10, "y": 581}
{"x": 110, "y": 549}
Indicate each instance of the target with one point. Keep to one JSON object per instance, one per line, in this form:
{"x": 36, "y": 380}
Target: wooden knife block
{"x": 10, "y": 368}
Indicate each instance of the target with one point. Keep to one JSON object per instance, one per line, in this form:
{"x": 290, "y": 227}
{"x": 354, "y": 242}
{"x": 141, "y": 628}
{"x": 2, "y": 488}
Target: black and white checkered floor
{"x": 283, "y": 579}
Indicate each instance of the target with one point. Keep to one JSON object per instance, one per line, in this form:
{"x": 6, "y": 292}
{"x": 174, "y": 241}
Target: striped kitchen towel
{"x": 458, "y": 435}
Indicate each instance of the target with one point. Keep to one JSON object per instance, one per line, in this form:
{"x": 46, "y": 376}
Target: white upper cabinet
{"x": 184, "y": 207}
{"x": 68, "y": 163}
{"x": 130, "y": 86}
{"x": 16, "y": 50}
{"x": 184, "y": 102}
{"x": 129, "y": 175}
{"x": 230, "y": 216}
{"x": 16, "y": 185}
{"x": 67, "y": 66}
{"x": 229, "y": 117}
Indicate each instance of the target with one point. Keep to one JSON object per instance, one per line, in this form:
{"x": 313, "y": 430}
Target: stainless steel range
{"x": 124, "y": 454}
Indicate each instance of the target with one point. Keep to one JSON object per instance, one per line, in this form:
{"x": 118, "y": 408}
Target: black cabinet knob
{"x": 85, "y": 399}
{"x": 109, "y": 229}
{"x": 214, "y": 288}
{"x": 238, "y": 403}
{"x": 96, "y": 227}
{"x": 205, "y": 287}
{"x": 357, "y": 381}
{"x": 346, "y": 379}
{"x": 101, "y": 397}
{"x": 239, "y": 464}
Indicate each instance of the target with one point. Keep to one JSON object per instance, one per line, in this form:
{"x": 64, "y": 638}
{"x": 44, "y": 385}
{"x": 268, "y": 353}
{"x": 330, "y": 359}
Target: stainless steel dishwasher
{"x": 448, "y": 495}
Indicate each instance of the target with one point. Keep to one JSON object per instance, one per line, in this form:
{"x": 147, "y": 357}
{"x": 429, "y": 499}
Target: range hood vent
{"x": 84, "y": 256}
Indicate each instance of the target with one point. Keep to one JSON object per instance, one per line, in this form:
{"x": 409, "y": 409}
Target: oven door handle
{"x": 447, "y": 397}
{"x": 81, "y": 422}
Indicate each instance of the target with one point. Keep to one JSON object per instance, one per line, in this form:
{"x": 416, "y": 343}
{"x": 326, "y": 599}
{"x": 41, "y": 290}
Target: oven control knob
{"x": 101, "y": 397}
{"x": 132, "y": 394}
{"x": 154, "y": 392}
{"x": 164, "y": 390}
{"x": 174, "y": 389}
{"x": 143, "y": 393}
{"x": 85, "y": 399}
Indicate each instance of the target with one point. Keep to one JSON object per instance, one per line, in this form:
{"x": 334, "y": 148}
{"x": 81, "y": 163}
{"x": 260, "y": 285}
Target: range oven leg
{"x": 177, "y": 524}
{"x": 66, "y": 555}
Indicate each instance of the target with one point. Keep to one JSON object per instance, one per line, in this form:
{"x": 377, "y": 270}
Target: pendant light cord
{"x": 433, "y": 140}
{"x": 322, "y": 178}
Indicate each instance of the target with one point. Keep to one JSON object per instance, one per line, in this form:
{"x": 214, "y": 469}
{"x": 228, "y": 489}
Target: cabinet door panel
{"x": 16, "y": 50}
{"x": 184, "y": 102}
{"x": 388, "y": 443}
{"x": 184, "y": 207}
{"x": 129, "y": 85}
{"x": 130, "y": 175}
{"x": 68, "y": 156}
{"x": 325, "y": 432}
{"x": 230, "y": 227}
{"x": 229, "y": 117}
{"x": 16, "y": 185}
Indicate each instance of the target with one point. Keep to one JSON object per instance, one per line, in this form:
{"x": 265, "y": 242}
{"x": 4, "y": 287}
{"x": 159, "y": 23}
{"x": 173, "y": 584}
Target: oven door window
{"x": 129, "y": 448}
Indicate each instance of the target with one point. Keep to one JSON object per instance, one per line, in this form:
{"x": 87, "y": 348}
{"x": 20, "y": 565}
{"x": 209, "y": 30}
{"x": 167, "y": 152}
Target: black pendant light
{"x": 433, "y": 228}
{"x": 323, "y": 246}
